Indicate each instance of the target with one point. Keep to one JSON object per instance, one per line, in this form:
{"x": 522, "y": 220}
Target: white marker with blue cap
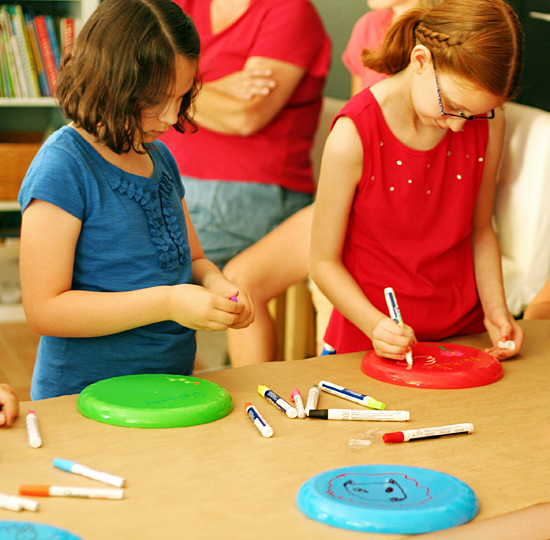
{"x": 72, "y": 467}
{"x": 395, "y": 314}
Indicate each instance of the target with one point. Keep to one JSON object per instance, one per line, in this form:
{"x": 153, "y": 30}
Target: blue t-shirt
{"x": 133, "y": 236}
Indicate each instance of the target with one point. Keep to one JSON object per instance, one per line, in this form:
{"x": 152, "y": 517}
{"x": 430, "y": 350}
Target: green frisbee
{"x": 154, "y": 401}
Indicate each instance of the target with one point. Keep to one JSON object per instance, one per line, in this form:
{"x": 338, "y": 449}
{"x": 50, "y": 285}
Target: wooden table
{"x": 224, "y": 480}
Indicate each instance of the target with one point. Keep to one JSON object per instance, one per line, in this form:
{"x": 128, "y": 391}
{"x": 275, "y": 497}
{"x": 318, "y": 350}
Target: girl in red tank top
{"x": 407, "y": 185}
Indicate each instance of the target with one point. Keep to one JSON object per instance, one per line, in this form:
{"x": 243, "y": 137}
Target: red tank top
{"x": 409, "y": 228}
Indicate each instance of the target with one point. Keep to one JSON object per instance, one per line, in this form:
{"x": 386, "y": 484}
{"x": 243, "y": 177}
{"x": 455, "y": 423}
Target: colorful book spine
{"x": 8, "y": 88}
{"x": 27, "y": 62}
{"x": 4, "y": 91}
{"x": 46, "y": 51}
{"x": 68, "y": 33}
{"x": 11, "y": 56}
{"x": 50, "y": 27}
{"x": 38, "y": 62}
{"x": 18, "y": 71}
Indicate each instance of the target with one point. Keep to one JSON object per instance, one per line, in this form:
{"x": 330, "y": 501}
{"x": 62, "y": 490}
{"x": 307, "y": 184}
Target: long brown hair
{"x": 480, "y": 40}
{"x": 124, "y": 62}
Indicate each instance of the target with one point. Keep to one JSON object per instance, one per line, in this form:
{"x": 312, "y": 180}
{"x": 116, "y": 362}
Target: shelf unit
{"x": 36, "y": 114}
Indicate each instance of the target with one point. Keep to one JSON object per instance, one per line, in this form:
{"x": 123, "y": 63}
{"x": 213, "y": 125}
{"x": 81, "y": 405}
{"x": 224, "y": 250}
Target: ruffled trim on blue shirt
{"x": 166, "y": 232}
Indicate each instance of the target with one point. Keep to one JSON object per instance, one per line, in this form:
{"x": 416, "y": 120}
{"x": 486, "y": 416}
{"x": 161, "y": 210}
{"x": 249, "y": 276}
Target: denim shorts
{"x": 231, "y": 216}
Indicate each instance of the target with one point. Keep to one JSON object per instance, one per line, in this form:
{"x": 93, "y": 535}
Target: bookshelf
{"x": 37, "y": 114}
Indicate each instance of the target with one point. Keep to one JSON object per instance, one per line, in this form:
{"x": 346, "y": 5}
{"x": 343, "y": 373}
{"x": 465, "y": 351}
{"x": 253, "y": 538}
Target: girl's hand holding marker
{"x": 395, "y": 315}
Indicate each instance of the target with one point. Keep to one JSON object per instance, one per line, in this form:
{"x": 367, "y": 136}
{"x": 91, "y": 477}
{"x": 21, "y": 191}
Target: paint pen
{"x": 350, "y": 395}
{"x": 265, "y": 429}
{"x": 428, "y": 433}
{"x": 72, "y": 467}
{"x": 312, "y": 398}
{"x": 32, "y": 430}
{"x": 278, "y": 401}
{"x": 26, "y": 504}
{"x": 296, "y": 397}
{"x": 511, "y": 345}
{"x": 61, "y": 491}
{"x": 395, "y": 314}
{"x": 358, "y": 414}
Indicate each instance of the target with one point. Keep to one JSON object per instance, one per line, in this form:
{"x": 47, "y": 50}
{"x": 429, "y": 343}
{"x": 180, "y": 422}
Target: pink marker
{"x": 296, "y": 397}
{"x": 234, "y": 299}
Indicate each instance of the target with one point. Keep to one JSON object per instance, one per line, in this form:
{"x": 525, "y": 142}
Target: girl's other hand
{"x": 502, "y": 327}
{"x": 392, "y": 341}
{"x": 247, "y": 315}
{"x": 199, "y": 308}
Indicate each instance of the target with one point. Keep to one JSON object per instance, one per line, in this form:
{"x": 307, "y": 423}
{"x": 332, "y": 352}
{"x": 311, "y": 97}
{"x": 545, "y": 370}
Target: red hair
{"x": 480, "y": 40}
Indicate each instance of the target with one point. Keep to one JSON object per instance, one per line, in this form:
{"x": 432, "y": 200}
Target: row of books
{"x": 30, "y": 51}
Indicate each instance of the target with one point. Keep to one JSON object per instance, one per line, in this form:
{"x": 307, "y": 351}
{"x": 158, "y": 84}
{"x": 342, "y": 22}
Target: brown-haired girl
{"x": 407, "y": 185}
{"x": 112, "y": 273}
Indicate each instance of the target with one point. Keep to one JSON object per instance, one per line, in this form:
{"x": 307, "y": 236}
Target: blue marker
{"x": 395, "y": 314}
{"x": 278, "y": 401}
{"x": 265, "y": 429}
{"x": 72, "y": 467}
{"x": 350, "y": 395}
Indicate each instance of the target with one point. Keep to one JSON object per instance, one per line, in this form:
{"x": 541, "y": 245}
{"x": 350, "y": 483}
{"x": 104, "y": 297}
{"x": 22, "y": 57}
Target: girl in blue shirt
{"x": 112, "y": 273}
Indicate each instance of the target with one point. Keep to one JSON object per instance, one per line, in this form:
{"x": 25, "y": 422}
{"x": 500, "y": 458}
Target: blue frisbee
{"x": 15, "y": 530}
{"x": 387, "y": 499}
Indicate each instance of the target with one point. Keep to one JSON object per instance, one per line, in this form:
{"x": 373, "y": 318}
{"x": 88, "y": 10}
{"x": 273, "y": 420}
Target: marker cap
{"x": 319, "y": 413}
{"x": 63, "y": 464}
{"x": 394, "y": 437}
{"x": 36, "y": 490}
{"x": 8, "y": 504}
{"x": 292, "y": 412}
{"x": 266, "y": 431}
{"x": 26, "y": 504}
{"x": 375, "y": 404}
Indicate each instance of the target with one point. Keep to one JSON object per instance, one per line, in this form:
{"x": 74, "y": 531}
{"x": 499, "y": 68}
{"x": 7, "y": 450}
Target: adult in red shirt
{"x": 263, "y": 68}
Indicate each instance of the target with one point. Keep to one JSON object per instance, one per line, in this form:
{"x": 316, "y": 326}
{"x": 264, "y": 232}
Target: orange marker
{"x": 59, "y": 491}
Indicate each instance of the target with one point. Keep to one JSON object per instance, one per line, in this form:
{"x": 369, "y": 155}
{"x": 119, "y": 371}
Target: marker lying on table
{"x": 26, "y": 504}
{"x": 350, "y": 395}
{"x": 312, "y": 398}
{"x": 61, "y": 491}
{"x": 395, "y": 314}
{"x": 357, "y": 414}
{"x": 7, "y": 504}
{"x": 278, "y": 401}
{"x": 71, "y": 466}
{"x": 428, "y": 433}
{"x": 32, "y": 430}
{"x": 265, "y": 429}
{"x": 296, "y": 397}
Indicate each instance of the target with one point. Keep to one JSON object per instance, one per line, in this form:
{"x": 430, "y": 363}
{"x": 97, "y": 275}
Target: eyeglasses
{"x": 462, "y": 115}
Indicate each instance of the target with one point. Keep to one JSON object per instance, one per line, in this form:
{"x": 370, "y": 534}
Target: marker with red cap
{"x": 428, "y": 433}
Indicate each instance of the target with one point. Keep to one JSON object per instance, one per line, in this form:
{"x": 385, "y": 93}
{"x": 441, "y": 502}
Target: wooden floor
{"x": 17, "y": 355}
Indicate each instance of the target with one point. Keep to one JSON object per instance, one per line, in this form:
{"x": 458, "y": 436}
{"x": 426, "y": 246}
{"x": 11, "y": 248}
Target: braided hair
{"x": 480, "y": 40}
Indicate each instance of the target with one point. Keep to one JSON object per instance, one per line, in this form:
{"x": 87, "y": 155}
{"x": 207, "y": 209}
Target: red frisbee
{"x": 436, "y": 365}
